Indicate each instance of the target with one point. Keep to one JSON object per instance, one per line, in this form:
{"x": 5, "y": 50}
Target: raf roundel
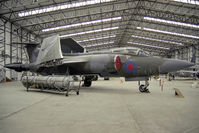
{"x": 130, "y": 67}
{"x": 35, "y": 53}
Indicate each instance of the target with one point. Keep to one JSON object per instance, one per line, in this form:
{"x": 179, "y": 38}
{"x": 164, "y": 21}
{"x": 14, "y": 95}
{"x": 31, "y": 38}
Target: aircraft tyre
{"x": 77, "y": 92}
{"x": 142, "y": 88}
{"x": 197, "y": 74}
{"x": 87, "y": 83}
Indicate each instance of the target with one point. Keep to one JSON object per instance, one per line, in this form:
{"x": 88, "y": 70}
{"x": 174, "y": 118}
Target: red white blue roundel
{"x": 35, "y": 53}
{"x": 130, "y": 67}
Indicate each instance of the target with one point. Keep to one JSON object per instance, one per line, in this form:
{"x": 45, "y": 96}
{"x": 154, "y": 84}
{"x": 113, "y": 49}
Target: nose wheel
{"x": 143, "y": 88}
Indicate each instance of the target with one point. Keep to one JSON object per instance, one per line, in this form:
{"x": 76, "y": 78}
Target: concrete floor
{"x": 106, "y": 107}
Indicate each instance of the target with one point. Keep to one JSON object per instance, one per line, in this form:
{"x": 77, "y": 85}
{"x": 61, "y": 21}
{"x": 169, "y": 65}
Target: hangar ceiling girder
{"x": 143, "y": 12}
{"x": 95, "y": 35}
{"x": 131, "y": 30}
{"x": 155, "y": 43}
{"x": 132, "y": 13}
{"x": 165, "y": 27}
{"x": 79, "y": 16}
{"x": 113, "y": 6}
{"x": 16, "y": 6}
{"x": 83, "y": 28}
{"x": 169, "y": 15}
{"x": 81, "y": 11}
{"x": 72, "y": 20}
{"x": 172, "y": 6}
{"x": 37, "y": 27}
{"x": 186, "y": 41}
{"x": 150, "y": 49}
{"x": 21, "y": 5}
{"x": 125, "y": 12}
{"x": 161, "y": 36}
{"x": 154, "y": 50}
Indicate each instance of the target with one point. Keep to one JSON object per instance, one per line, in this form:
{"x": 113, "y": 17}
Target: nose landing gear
{"x": 143, "y": 88}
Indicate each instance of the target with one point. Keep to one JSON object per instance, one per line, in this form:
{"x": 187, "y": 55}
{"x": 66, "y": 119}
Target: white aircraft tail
{"x": 50, "y": 50}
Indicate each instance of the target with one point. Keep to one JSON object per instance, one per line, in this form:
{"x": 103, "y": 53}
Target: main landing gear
{"x": 143, "y": 88}
{"x": 88, "y": 80}
{"x": 87, "y": 83}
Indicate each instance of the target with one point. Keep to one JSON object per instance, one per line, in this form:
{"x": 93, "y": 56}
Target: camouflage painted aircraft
{"x": 66, "y": 57}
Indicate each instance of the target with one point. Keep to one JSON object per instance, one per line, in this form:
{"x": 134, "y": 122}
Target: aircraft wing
{"x": 72, "y": 61}
{"x": 189, "y": 71}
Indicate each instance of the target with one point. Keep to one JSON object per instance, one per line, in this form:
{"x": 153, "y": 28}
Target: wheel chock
{"x": 178, "y": 93}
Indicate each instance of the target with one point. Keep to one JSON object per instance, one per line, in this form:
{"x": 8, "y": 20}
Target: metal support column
{"x": 10, "y": 42}
{"x": 4, "y": 43}
{"x": 21, "y": 47}
{"x": 11, "y": 48}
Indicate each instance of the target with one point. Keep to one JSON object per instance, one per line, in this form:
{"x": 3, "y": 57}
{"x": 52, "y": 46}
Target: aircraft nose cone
{"x": 171, "y": 65}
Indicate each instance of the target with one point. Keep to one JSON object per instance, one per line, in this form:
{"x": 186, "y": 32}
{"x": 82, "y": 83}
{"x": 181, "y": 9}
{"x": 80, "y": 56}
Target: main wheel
{"x": 77, "y": 92}
{"x": 66, "y": 94}
{"x": 87, "y": 83}
{"x": 142, "y": 88}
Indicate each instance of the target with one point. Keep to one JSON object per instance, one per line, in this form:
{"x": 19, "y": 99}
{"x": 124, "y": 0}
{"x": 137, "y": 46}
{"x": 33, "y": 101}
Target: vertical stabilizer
{"x": 50, "y": 50}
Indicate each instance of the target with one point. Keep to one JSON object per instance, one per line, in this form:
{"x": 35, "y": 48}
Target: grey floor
{"x": 106, "y": 107}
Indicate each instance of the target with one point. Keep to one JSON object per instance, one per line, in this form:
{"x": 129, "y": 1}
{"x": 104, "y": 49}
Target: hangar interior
{"x": 165, "y": 28}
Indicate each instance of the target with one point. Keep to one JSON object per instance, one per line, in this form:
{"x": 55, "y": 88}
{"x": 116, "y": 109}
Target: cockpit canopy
{"x": 131, "y": 51}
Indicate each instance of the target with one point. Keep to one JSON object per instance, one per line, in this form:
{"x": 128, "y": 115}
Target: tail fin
{"x": 193, "y": 59}
{"x": 32, "y": 51}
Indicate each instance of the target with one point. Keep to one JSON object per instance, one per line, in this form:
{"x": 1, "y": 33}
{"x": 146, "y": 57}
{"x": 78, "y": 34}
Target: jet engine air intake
{"x": 117, "y": 62}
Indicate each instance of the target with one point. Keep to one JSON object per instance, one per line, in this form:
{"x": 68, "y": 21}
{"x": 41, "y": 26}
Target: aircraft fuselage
{"x": 106, "y": 65}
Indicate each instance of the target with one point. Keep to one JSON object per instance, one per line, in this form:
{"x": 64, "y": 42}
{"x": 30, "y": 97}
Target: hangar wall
{"x": 11, "y": 52}
{"x": 188, "y": 53}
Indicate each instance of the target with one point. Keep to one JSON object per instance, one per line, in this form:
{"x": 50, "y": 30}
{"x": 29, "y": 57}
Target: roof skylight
{"x": 82, "y": 24}
{"x": 99, "y": 44}
{"x": 171, "y": 22}
{"x": 98, "y": 38}
{"x": 168, "y": 32}
{"x": 60, "y": 7}
{"x": 196, "y": 2}
{"x": 91, "y": 31}
{"x": 159, "y": 40}
{"x": 147, "y": 45}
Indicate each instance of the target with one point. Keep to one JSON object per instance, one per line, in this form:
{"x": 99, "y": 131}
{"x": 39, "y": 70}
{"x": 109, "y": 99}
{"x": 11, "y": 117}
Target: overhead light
{"x": 171, "y": 33}
{"x": 153, "y": 39}
{"x": 147, "y": 45}
{"x": 82, "y": 24}
{"x": 61, "y": 7}
{"x": 195, "y": 2}
{"x": 93, "y": 39}
{"x": 91, "y": 31}
{"x": 171, "y": 22}
{"x": 98, "y": 44}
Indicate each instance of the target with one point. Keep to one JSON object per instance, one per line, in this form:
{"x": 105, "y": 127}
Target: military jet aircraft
{"x": 66, "y": 57}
